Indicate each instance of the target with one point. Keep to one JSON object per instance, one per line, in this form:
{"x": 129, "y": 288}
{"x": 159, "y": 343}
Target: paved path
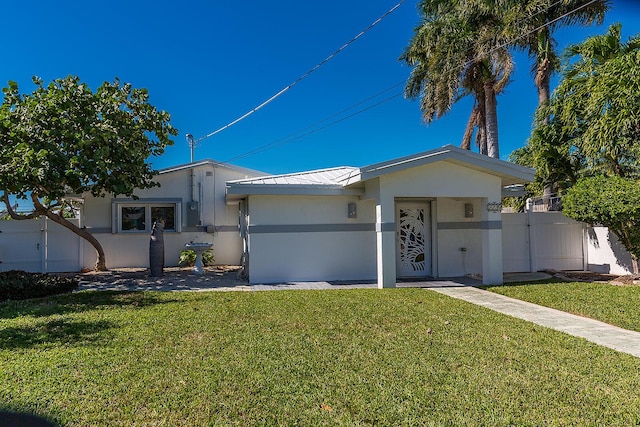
{"x": 592, "y": 330}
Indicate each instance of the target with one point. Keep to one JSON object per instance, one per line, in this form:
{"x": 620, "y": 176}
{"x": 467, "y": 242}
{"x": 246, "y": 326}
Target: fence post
{"x": 532, "y": 245}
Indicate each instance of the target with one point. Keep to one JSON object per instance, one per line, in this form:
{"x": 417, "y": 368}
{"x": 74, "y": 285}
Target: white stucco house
{"x": 425, "y": 215}
{"x": 192, "y": 199}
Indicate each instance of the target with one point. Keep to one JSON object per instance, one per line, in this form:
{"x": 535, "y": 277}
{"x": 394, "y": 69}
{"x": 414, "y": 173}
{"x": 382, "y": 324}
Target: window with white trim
{"x": 138, "y": 216}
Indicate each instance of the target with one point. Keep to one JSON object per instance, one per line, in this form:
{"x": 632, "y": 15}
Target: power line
{"x": 299, "y": 79}
{"x": 292, "y": 137}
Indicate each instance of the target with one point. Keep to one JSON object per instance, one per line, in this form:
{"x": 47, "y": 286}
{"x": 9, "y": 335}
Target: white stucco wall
{"x": 452, "y": 186}
{"x": 452, "y": 261}
{"x": 605, "y": 253}
{"x": 277, "y": 255}
{"x": 132, "y": 249}
{"x": 312, "y": 255}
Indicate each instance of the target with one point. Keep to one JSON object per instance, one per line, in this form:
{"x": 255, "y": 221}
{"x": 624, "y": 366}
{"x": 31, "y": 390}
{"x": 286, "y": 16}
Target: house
{"x": 191, "y": 198}
{"x": 432, "y": 214}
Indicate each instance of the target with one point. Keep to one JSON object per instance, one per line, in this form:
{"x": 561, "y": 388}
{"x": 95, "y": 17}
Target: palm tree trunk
{"x": 544, "y": 68}
{"x": 543, "y": 83}
{"x": 491, "y": 125}
{"x": 481, "y": 137}
{"x": 468, "y": 132}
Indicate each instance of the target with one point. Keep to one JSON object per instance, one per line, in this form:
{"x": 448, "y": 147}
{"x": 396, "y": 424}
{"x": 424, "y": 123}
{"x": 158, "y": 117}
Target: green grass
{"x": 355, "y": 357}
{"x": 616, "y": 305}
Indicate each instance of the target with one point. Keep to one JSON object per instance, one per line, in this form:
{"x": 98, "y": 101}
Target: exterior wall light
{"x": 352, "y": 210}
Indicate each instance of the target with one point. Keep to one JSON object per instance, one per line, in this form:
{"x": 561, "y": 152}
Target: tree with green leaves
{"x": 530, "y": 25}
{"x": 457, "y": 50}
{"x": 65, "y": 139}
{"x": 611, "y": 201}
{"x": 591, "y": 124}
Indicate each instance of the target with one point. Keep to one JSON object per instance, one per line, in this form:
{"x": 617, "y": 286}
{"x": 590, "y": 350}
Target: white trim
{"x": 212, "y": 163}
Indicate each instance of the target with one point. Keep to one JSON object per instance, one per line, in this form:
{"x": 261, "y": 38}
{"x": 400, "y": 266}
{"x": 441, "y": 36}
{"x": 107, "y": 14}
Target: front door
{"x": 413, "y": 249}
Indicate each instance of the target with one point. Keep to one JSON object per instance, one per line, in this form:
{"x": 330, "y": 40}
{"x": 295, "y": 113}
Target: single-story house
{"x": 432, "y": 214}
{"x": 191, "y": 198}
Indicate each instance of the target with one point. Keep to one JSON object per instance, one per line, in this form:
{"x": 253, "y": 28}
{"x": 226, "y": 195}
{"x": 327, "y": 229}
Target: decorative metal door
{"x": 413, "y": 239}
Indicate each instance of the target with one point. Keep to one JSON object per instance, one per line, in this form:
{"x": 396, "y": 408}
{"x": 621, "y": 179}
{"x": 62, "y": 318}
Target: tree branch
{"x": 13, "y": 214}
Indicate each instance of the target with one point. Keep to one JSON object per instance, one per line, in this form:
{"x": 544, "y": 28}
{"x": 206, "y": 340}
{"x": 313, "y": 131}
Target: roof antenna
{"x": 192, "y": 144}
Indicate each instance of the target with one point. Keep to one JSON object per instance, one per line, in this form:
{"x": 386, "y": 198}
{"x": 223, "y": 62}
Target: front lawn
{"x": 616, "y": 305}
{"x": 353, "y": 357}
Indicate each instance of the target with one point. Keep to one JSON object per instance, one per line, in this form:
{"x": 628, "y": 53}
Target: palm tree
{"x": 457, "y": 51}
{"x": 530, "y": 25}
{"x": 599, "y": 98}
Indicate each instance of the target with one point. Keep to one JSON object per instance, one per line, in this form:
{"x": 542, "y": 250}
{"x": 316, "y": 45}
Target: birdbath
{"x": 199, "y": 248}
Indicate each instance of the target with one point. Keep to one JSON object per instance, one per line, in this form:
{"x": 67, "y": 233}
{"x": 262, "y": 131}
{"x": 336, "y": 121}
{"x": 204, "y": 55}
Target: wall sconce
{"x": 494, "y": 207}
{"x": 468, "y": 210}
{"x": 352, "y": 210}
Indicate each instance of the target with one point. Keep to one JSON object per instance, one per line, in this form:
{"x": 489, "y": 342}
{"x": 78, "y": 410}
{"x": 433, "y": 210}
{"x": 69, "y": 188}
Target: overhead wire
{"x": 309, "y": 129}
{"x": 305, "y": 75}
{"x": 292, "y": 137}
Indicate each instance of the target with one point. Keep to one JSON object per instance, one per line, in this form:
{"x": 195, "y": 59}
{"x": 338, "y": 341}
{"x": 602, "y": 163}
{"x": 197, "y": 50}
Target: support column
{"x": 492, "y": 269}
{"x": 386, "y": 245}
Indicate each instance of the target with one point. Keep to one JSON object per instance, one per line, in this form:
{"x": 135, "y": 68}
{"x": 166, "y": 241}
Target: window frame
{"x": 147, "y": 204}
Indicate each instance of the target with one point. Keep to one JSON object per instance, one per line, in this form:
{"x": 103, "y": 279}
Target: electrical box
{"x": 193, "y": 214}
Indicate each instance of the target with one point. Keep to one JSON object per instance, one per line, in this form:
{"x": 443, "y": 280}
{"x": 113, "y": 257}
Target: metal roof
{"x": 321, "y": 177}
{"x": 346, "y": 180}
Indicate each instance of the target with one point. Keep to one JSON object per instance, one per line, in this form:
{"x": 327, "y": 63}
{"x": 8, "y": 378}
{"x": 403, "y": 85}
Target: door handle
{"x": 38, "y": 246}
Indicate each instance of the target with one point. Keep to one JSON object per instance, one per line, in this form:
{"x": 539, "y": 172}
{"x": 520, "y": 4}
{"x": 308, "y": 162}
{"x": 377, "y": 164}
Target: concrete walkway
{"x": 592, "y": 330}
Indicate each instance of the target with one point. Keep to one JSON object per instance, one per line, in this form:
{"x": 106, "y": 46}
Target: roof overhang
{"x": 211, "y": 163}
{"x": 510, "y": 173}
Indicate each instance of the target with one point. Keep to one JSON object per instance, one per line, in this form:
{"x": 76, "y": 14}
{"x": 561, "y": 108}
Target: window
{"x": 138, "y": 216}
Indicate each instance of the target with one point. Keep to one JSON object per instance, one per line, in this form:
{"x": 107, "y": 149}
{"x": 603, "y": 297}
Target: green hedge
{"x": 17, "y": 284}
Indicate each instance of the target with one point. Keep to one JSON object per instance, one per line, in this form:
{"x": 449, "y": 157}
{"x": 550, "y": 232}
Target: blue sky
{"x": 208, "y": 62}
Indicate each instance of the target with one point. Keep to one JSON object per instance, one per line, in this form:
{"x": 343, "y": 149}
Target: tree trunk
{"x": 481, "y": 136}
{"x": 634, "y": 264}
{"x": 39, "y": 210}
{"x": 491, "y": 117}
{"x": 543, "y": 84}
{"x": 101, "y": 263}
{"x": 547, "y": 193}
{"x": 468, "y": 132}
{"x": 544, "y": 69}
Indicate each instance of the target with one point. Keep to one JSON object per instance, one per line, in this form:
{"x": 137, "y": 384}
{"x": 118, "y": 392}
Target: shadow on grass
{"x": 79, "y": 302}
{"x": 56, "y": 332}
{"x": 12, "y": 418}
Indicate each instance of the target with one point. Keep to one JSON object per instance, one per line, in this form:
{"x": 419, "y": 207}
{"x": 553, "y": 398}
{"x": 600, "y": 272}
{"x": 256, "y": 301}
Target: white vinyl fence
{"x": 535, "y": 241}
{"x": 531, "y": 241}
{"x": 39, "y": 245}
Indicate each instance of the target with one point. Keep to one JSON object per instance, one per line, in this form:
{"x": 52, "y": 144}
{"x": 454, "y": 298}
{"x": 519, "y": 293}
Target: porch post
{"x": 492, "y": 268}
{"x": 386, "y": 244}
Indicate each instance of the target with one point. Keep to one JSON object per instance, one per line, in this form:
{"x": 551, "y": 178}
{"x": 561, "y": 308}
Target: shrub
{"x": 17, "y": 284}
{"x": 188, "y": 258}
